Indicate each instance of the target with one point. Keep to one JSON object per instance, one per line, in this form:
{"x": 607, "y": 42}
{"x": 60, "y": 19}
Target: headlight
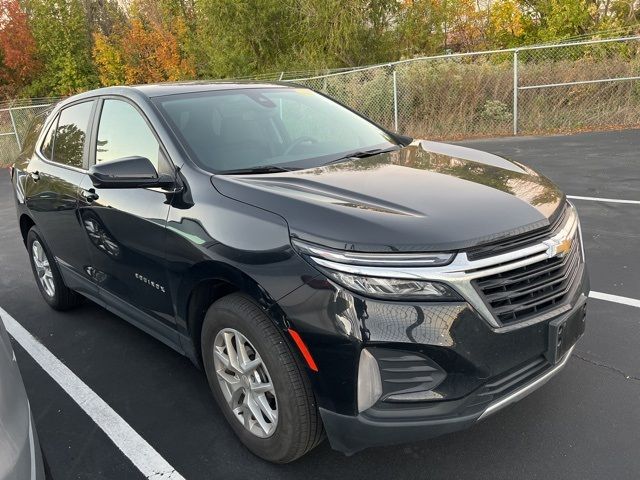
{"x": 574, "y": 212}
{"x": 342, "y": 267}
{"x": 393, "y": 288}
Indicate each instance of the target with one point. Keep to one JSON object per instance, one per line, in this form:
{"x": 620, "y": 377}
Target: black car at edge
{"x": 329, "y": 276}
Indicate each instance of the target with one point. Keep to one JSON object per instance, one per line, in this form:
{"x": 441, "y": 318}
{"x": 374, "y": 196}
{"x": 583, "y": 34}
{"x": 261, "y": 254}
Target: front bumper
{"x": 350, "y": 434}
{"x": 484, "y": 370}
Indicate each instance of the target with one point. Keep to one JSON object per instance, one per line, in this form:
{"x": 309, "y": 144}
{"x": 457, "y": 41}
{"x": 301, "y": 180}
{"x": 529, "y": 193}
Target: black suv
{"x": 328, "y": 275}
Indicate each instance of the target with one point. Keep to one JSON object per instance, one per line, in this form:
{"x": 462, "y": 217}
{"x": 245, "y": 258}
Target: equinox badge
{"x": 151, "y": 283}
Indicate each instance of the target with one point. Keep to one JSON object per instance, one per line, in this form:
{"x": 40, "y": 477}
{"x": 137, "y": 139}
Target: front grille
{"x": 504, "y": 384}
{"x": 517, "y": 242}
{"x": 519, "y": 294}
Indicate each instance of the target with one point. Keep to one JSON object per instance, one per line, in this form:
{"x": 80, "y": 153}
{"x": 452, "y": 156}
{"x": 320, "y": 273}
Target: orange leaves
{"x": 141, "y": 54}
{"x": 17, "y": 45}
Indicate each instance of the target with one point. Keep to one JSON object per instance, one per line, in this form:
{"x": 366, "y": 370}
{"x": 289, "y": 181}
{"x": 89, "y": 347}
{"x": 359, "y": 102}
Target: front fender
{"x": 213, "y": 238}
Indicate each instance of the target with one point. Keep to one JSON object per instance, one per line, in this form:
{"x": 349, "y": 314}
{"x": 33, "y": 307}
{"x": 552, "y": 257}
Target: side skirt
{"x": 123, "y": 309}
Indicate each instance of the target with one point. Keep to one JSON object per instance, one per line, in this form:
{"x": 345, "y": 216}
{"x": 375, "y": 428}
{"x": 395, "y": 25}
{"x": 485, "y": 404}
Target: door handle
{"x": 90, "y": 195}
{"x": 35, "y": 176}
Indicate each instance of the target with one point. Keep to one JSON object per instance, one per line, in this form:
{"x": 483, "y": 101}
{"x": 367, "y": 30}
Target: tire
{"x": 298, "y": 427}
{"x": 53, "y": 290}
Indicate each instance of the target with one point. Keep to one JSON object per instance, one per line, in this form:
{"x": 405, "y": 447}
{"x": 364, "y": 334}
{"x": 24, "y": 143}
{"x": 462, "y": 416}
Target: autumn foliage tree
{"x": 140, "y": 54}
{"x": 60, "y": 47}
{"x": 505, "y": 23}
{"x": 17, "y": 48}
{"x": 151, "y": 46}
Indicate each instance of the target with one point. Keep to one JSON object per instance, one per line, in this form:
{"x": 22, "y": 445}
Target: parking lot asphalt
{"x": 585, "y": 423}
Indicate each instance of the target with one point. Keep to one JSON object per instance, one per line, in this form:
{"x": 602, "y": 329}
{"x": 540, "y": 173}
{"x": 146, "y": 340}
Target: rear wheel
{"x": 47, "y": 275}
{"x": 257, "y": 381}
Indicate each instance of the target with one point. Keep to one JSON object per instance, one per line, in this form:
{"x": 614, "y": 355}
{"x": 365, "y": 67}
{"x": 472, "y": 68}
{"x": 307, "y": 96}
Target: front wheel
{"x": 257, "y": 381}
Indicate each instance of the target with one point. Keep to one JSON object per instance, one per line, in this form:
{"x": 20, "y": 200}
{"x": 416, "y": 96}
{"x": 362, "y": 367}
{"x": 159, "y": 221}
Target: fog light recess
{"x": 369, "y": 382}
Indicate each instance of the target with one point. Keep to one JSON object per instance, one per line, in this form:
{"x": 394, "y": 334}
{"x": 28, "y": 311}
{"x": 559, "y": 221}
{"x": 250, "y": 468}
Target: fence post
{"x": 395, "y": 99}
{"x": 515, "y": 92}
{"x": 15, "y": 130}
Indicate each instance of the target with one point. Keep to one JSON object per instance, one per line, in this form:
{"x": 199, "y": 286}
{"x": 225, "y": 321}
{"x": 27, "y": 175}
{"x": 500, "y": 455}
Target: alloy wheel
{"x": 245, "y": 383}
{"x": 43, "y": 268}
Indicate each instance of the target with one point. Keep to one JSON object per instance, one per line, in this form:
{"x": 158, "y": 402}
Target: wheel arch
{"x": 205, "y": 284}
{"x": 25, "y": 222}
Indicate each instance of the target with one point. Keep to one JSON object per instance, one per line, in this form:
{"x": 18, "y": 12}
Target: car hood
{"x": 427, "y": 196}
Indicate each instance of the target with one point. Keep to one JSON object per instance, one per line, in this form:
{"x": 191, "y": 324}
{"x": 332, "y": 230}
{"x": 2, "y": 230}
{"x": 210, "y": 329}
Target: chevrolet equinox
{"x": 329, "y": 276}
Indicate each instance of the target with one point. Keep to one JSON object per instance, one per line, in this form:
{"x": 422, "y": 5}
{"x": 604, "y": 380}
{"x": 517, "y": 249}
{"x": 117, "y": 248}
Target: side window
{"x": 123, "y": 132}
{"x": 70, "y": 134}
{"x": 47, "y": 143}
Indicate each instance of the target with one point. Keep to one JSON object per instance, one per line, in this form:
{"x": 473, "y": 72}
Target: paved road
{"x": 585, "y": 423}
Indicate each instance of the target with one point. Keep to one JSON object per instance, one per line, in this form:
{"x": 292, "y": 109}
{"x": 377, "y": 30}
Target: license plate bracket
{"x": 563, "y": 334}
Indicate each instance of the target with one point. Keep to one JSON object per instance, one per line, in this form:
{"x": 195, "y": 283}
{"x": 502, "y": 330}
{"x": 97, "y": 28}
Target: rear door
{"x": 56, "y": 171}
{"x": 126, "y": 226}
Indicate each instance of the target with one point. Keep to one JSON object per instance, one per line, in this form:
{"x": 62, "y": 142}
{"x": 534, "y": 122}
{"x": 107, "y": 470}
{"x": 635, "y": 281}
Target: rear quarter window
{"x": 65, "y": 141}
{"x": 47, "y": 144}
{"x": 71, "y": 132}
{"x": 30, "y": 139}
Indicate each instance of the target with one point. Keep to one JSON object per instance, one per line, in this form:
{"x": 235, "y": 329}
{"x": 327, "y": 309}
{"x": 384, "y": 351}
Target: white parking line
{"x": 615, "y": 298}
{"x": 599, "y": 199}
{"x": 130, "y": 443}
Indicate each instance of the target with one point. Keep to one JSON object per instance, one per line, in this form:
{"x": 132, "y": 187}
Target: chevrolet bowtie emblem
{"x": 558, "y": 247}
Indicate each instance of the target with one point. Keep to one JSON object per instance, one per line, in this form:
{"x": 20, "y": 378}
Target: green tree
{"x": 261, "y": 35}
{"x": 342, "y": 33}
{"x": 505, "y": 24}
{"x": 62, "y": 33}
{"x": 244, "y": 37}
{"x": 109, "y": 59}
{"x": 420, "y": 28}
{"x": 548, "y": 20}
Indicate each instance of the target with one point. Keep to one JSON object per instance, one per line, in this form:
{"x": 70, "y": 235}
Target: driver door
{"x": 126, "y": 227}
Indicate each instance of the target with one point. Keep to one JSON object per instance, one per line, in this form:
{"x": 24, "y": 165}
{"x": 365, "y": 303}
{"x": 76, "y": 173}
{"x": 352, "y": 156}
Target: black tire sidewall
{"x": 53, "y": 301}
{"x": 284, "y": 440}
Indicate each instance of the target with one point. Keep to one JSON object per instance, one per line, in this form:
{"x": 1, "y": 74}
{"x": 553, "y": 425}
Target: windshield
{"x": 280, "y": 128}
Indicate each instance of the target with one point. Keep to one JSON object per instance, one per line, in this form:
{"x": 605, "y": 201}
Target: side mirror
{"x": 127, "y": 172}
{"x": 402, "y": 139}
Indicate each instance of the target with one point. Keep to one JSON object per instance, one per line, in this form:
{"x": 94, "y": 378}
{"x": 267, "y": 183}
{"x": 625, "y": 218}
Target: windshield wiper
{"x": 278, "y": 168}
{"x": 364, "y": 154}
{"x": 259, "y": 169}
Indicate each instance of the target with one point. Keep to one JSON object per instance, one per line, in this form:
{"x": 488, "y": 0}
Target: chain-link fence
{"x": 578, "y": 87}
{"x": 541, "y": 89}
{"x": 530, "y": 90}
{"x": 15, "y": 118}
